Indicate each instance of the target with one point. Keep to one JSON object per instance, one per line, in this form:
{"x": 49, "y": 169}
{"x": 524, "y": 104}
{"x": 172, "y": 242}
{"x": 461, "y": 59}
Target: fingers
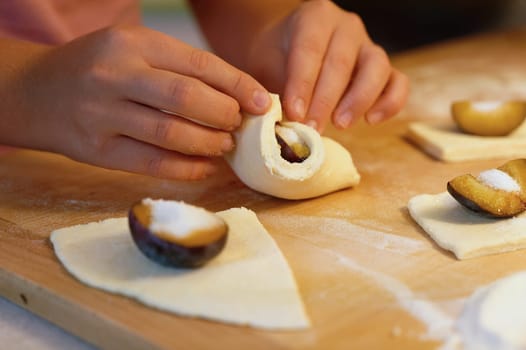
{"x": 130, "y": 155}
{"x": 170, "y": 132}
{"x": 307, "y": 50}
{"x": 371, "y": 75}
{"x": 336, "y": 71}
{"x": 392, "y": 99}
{"x": 335, "y": 74}
{"x": 166, "y": 53}
{"x": 184, "y": 96}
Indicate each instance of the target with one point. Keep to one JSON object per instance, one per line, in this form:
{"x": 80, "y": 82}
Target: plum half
{"x": 293, "y": 149}
{"x": 495, "y": 193}
{"x": 488, "y": 118}
{"x": 176, "y": 234}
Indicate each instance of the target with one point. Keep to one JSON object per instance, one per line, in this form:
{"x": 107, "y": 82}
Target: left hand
{"x": 323, "y": 63}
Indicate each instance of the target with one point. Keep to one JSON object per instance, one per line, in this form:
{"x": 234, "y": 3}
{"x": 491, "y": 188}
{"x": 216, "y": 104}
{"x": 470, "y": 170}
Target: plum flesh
{"x": 167, "y": 252}
{"x": 487, "y": 118}
{"x": 492, "y": 202}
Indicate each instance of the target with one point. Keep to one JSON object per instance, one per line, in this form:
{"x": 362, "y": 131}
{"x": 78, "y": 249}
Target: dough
{"x": 494, "y": 318}
{"x": 463, "y": 232}
{"x": 257, "y": 159}
{"x": 249, "y": 283}
{"x": 445, "y": 142}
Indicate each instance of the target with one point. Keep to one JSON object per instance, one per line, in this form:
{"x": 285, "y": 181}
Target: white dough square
{"x": 444, "y": 141}
{"x": 465, "y": 233}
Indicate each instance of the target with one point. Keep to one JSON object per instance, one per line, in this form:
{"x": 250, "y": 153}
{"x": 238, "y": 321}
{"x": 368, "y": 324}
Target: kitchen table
{"x": 370, "y": 278}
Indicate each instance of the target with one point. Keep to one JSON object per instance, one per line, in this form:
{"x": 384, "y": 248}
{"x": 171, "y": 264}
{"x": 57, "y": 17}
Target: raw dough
{"x": 444, "y": 141}
{"x": 463, "y": 232}
{"x": 249, "y": 283}
{"x": 257, "y": 159}
{"x": 494, "y": 318}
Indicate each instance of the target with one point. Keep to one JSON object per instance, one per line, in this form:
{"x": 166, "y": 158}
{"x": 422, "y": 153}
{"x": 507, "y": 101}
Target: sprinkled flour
{"x": 439, "y": 317}
{"x": 438, "y": 323}
{"x": 343, "y": 229}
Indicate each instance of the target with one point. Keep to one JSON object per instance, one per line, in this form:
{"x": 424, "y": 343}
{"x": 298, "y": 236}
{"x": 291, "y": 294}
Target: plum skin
{"x": 288, "y": 153}
{"x": 473, "y": 206}
{"x": 493, "y": 203}
{"x": 168, "y": 253}
{"x": 500, "y": 121}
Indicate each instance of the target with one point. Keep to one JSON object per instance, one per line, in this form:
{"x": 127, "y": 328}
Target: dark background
{"x": 404, "y": 24}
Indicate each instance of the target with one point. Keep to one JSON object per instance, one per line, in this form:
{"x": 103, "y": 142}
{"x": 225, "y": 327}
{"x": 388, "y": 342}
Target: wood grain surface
{"x": 347, "y": 249}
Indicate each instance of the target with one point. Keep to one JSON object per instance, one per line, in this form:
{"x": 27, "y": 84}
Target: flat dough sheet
{"x": 445, "y": 142}
{"x": 466, "y": 234}
{"x": 248, "y": 283}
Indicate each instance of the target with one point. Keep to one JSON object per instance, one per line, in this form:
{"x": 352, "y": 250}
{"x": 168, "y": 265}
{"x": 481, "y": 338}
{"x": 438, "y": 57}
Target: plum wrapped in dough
{"x": 258, "y": 161}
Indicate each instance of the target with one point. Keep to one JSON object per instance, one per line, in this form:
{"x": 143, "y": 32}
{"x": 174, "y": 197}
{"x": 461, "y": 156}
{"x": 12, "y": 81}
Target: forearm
{"x": 230, "y": 26}
{"x": 17, "y": 58}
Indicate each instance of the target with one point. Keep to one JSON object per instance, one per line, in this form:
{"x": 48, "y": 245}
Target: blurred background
{"x": 404, "y": 24}
{"x": 396, "y": 25}
{"x": 172, "y": 17}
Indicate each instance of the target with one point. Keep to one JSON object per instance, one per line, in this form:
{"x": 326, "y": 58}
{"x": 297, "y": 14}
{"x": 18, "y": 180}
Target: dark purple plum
{"x": 165, "y": 251}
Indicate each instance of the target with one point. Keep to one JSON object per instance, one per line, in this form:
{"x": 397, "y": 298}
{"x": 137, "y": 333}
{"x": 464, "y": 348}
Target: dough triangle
{"x": 249, "y": 283}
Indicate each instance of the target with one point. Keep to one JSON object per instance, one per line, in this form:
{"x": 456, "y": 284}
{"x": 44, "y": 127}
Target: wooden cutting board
{"x": 354, "y": 253}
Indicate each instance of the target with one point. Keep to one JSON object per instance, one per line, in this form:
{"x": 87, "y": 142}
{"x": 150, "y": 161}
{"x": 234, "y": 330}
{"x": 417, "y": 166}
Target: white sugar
{"x": 485, "y": 106}
{"x": 288, "y": 135}
{"x": 499, "y": 180}
{"x": 179, "y": 218}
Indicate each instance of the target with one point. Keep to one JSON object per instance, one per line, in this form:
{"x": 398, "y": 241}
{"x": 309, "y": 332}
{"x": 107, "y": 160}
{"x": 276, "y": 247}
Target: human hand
{"x": 136, "y": 100}
{"x": 323, "y": 63}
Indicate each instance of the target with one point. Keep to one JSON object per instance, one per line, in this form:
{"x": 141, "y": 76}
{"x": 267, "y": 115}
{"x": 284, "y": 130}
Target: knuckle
{"x": 154, "y": 165}
{"x": 188, "y": 171}
{"x": 339, "y": 61}
{"x": 195, "y": 172}
{"x": 361, "y": 100}
{"x": 95, "y": 146}
{"x": 98, "y": 65}
{"x": 192, "y": 148}
{"x": 181, "y": 91}
{"x": 182, "y": 139}
{"x": 380, "y": 56}
{"x": 322, "y": 6}
{"x": 231, "y": 117}
{"x": 310, "y": 46}
{"x": 162, "y": 132}
{"x": 99, "y": 74}
{"x": 199, "y": 61}
{"x": 117, "y": 37}
{"x": 305, "y": 85}
{"x": 325, "y": 103}
{"x": 355, "y": 21}
{"x": 238, "y": 81}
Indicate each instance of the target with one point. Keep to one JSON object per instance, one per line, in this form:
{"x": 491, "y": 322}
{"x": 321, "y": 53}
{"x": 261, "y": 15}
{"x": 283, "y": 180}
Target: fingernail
{"x": 261, "y": 98}
{"x": 227, "y": 145}
{"x": 344, "y": 119}
{"x": 375, "y": 117}
{"x": 299, "y": 108}
{"x": 313, "y": 124}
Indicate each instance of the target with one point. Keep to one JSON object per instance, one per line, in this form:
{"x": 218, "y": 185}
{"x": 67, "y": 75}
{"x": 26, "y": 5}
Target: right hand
{"x": 103, "y": 99}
